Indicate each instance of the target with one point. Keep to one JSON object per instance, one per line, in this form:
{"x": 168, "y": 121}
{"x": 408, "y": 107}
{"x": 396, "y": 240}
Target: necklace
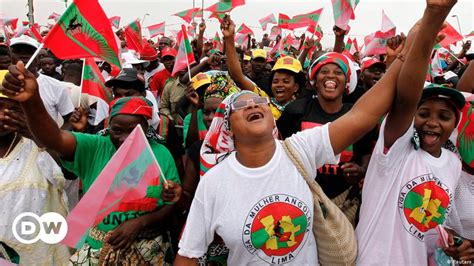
{"x": 11, "y": 146}
{"x": 280, "y": 107}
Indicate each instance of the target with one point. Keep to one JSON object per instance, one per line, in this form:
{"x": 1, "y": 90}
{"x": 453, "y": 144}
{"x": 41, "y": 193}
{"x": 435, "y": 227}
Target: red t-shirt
{"x": 158, "y": 81}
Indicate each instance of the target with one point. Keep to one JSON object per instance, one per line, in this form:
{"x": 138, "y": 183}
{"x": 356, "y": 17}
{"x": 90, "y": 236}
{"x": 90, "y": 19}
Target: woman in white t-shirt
{"x": 409, "y": 188}
{"x": 254, "y": 197}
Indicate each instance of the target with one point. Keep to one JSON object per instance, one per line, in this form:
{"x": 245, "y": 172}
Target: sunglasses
{"x": 245, "y": 103}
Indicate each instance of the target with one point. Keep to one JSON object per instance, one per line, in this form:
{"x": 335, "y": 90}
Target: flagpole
{"x": 34, "y": 55}
{"x": 82, "y": 82}
{"x": 455, "y": 57}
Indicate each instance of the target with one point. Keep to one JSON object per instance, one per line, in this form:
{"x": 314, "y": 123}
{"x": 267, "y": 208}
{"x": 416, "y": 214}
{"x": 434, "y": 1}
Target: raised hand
{"x": 192, "y": 96}
{"x": 19, "y": 83}
{"x": 228, "y": 27}
{"x": 441, "y": 3}
{"x": 395, "y": 45}
{"x": 79, "y": 119}
{"x": 308, "y": 44}
{"x": 202, "y": 26}
{"x": 338, "y": 31}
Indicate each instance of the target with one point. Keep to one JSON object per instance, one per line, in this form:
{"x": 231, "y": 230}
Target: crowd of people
{"x": 389, "y": 144}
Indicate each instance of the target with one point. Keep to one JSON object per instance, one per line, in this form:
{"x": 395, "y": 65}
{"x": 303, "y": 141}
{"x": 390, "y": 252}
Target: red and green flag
{"x": 185, "y": 56}
{"x": 244, "y": 29}
{"x": 451, "y": 36}
{"x": 133, "y": 35}
{"x": 470, "y": 34}
{"x": 343, "y": 10}
{"x": 156, "y": 29}
{"x": 387, "y": 24}
{"x": 274, "y": 32}
{"x": 93, "y": 82}
{"x": 189, "y": 14}
{"x": 242, "y": 39}
{"x": 316, "y": 31}
{"x": 115, "y": 21}
{"x": 217, "y": 43}
{"x": 224, "y": 6}
{"x": 270, "y": 19}
{"x": 299, "y": 21}
{"x": 218, "y": 16}
{"x": 86, "y": 32}
{"x": 34, "y": 33}
{"x": 125, "y": 178}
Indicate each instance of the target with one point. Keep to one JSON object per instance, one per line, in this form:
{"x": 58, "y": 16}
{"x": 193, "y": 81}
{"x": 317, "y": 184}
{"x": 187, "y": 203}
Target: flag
{"x": 243, "y": 29}
{"x": 10, "y": 22}
{"x": 33, "y": 32}
{"x": 54, "y": 16}
{"x": 218, "y": 16}
{"x": 274, "y": 32}
{"x": 354, "y": 47}
{"x": 216, "y": 43}
{"x": 348, "y": 45}
{"x": 224, "y": 6}
{"x": 115, "y": 21}
{"x": 86, "y": 32}
{"x": 156, "y": 29}
{"x": 25, "y": 23}
{"x": 387, "y": 24}
{"x": 125, "y": 178}
{"x": 133, "y": 34}
{"x": 452, "y": 36}
{"x": 316, "y": 31}
{"x": 343, "y": 10}
{"x": 375, "y": 44}
{"x": 189, "y": 14}
{"x": 93, "y": 82}
{"x": 185, "y": 55}
{"x": 270, "y": 19}
{"x": 299, "y": 21}
{"x": 470, "y": 34}
{"x": 242, "y": 39}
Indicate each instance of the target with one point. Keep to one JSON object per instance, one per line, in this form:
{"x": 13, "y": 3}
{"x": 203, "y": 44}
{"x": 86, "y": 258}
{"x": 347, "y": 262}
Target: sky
{"x": 404, "y": 13}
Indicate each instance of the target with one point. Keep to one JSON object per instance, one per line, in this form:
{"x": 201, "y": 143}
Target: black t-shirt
{"x": 307, "y": 113}
{"x": 355, "y": 95}
{"x": 263, "y": 82}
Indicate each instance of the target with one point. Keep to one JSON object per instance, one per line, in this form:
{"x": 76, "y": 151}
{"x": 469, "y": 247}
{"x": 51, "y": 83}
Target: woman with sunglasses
{"x": 286, "y": 76}
{"x": 252, "y": 195}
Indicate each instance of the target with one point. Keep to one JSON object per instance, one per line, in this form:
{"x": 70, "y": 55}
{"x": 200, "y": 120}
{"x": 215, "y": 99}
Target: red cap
{"x": 148, "y": 53}
{"x": 168, "y": 52}
{"x": 371, "y": 61}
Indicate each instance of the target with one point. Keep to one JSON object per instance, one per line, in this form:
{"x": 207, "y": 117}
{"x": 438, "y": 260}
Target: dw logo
{"x": 50, "y": 228}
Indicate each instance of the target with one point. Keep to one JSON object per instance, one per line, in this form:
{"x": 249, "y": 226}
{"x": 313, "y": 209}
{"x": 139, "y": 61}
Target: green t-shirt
{"x": 93, "y": 152}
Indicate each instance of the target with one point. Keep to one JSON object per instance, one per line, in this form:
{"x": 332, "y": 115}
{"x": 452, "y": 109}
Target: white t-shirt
{"x": 461, "y": 218}
{"x": 55, "y": 97}
{"x": 406, "y": 194}
{"x": 265, "y": 214}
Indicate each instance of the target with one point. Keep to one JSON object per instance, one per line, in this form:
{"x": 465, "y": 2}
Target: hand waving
{"x": 19, "y": 83}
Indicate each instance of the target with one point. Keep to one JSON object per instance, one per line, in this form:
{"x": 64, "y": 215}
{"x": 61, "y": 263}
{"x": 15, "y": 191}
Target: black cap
{"x": 439, "y": 91}
{"x": 128, "y": 79}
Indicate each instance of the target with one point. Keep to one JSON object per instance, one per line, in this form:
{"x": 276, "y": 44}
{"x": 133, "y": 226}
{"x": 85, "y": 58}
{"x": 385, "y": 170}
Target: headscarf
{"x": 221, "y": 86}
{"x": 343, "y": 62}
{"x": 219, "y": 142}
{"x": 131, "y": 106}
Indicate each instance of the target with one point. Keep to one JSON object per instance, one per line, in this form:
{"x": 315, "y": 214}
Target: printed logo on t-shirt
{"x": 422, "y": 204}
{"x": 276, "y": 228}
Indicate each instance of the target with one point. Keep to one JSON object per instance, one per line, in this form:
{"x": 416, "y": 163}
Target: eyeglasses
{"x": 245, "y": 103}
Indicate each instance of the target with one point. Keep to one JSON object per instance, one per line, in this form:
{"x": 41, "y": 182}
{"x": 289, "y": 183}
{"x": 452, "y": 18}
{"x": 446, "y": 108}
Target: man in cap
{"x": 257, "y": 75}
{"x": 371, "y": 71}
{"x": 53, "y": 93}
{"x": 158, "y": 81}
{"x": 127, "y": 84}
{"x": 164, "y": 42}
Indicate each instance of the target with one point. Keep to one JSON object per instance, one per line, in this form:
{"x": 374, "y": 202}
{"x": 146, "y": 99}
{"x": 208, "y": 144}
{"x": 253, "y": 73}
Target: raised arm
{"x": 412, "y": 75}
{"x": 233, "y": 63}
{"x": 21, "y": 85}
{"x": 339, "y": 39}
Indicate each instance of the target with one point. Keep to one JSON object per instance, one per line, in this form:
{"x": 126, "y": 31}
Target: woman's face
{"x": 330, "y": 82}
{"x": 121, "y": 92}
{"x": 284, "y": 87}
{"x": 253, "y": 121}
{"x": 210, "y": 107}
{"x": 434, "y": 121}
{"x": 122, "y": 125}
